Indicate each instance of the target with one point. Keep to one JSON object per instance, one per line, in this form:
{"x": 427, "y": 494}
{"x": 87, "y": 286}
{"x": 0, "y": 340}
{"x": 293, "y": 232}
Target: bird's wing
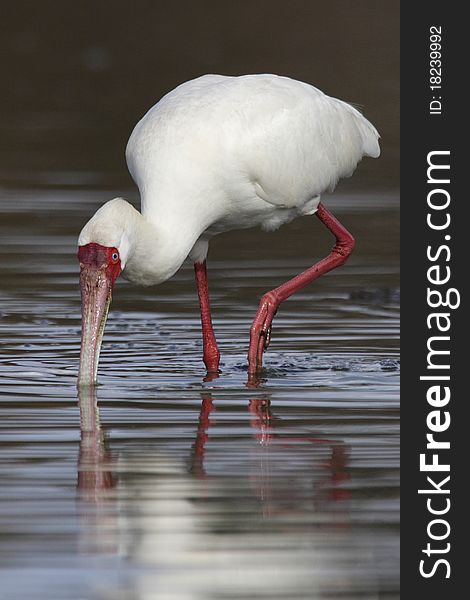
{"x": 297, "y": 143}
{"x": 283, "y": 139}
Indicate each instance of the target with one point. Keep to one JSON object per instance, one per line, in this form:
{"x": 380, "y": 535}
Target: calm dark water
{"x": 166, "y": 486}
{"x": 77, "y": 76}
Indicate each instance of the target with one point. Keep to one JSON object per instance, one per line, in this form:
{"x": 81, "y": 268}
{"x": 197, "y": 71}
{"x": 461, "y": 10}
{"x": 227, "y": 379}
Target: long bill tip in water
{"x": 96, "y": 288}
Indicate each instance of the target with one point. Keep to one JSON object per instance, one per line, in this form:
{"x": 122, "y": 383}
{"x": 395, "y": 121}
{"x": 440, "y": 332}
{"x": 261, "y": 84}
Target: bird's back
{"x": 233, "y": 150}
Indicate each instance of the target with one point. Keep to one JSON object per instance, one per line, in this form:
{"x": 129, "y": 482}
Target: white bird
{"x": 220, "y": 153}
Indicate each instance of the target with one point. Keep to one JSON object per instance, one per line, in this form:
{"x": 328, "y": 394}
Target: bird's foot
{"x": 255, "y": 380}
{"x": 211, "y": 375}
{"x": 260, "y": 332}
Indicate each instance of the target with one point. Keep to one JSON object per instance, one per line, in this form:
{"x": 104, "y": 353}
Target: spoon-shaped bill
{"x": 96, "y": 290}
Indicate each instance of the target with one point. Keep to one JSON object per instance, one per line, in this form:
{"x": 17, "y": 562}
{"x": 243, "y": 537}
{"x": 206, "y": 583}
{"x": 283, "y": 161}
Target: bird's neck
{"x": 156, "y": 251}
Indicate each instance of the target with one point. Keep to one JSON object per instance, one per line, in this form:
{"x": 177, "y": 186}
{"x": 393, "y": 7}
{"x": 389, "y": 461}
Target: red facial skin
{"x": 96, "y": 256}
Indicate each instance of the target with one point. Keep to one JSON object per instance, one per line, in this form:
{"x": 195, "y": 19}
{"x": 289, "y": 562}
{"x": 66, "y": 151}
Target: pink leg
{"x": 211, "y": 354}
{"x": 260, "y": 331}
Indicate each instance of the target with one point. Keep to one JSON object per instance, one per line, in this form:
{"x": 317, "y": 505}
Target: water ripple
{"x": 163, "y": 483}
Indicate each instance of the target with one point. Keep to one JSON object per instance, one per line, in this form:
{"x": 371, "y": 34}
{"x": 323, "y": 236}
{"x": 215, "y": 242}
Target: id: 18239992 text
{"x": 435, "y": 69}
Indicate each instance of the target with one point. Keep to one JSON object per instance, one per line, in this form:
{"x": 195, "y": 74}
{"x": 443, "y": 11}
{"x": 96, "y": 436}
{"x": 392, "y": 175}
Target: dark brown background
{"x": 76, "y": 76}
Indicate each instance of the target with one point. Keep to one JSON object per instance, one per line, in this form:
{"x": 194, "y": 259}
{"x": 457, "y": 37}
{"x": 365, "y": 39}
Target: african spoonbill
{"x": 220, "y": 153}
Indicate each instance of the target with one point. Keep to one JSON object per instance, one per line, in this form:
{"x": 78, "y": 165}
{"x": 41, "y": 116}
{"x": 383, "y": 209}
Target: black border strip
{"x": 423, "y": 132}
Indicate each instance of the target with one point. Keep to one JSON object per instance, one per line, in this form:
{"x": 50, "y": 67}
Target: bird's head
{"x": 102, "y": 252}
{"x": 117, "y": 239}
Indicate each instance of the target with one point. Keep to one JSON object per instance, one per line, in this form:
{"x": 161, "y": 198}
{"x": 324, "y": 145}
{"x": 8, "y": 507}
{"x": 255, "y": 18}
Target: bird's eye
{"x": 114, "y": 256}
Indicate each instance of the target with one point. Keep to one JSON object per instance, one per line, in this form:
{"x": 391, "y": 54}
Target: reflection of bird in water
{"x": 94, "y": 462}
{"x": 216, "y": 154}
{"x": 269, "y": 464}
{"x": 335, "y": 464}
{"x": 95, "y": 481}
{"x": 275, "y": 473}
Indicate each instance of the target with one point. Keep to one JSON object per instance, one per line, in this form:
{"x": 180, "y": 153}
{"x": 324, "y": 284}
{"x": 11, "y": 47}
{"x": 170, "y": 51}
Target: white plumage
{"x": 220, "y": 153}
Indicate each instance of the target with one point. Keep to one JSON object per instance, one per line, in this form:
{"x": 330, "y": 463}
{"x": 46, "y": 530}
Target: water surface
{"x": 163, "y": 485}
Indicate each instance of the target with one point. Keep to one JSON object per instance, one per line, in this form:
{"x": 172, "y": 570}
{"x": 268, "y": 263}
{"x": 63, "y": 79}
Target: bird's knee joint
{"x": 344, "y": 246}
{"x": 350, "y": 243}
